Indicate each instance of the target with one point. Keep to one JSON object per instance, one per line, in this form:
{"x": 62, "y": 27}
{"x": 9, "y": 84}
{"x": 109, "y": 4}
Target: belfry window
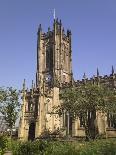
{"x": 49, "y": 59}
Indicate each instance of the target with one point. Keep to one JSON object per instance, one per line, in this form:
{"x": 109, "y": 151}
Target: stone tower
{"x": 54, "y": 55}
{"x": 54, "y": 67}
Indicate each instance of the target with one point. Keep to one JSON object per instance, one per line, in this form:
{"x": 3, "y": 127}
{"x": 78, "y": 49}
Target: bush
{"x": 42, "y": 147}
{"x": 98, "y": 147}
{"x": 28, "y": 148}
{"x": 60, "y": 148}
{"x": 3, "y": 144}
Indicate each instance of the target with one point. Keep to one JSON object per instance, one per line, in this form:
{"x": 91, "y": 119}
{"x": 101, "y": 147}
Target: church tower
{"x": 54, "y": 67}
{"x": 54, "y": 55}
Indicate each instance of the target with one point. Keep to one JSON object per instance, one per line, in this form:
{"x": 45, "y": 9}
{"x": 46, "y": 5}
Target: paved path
{"x": 8, "y": 153}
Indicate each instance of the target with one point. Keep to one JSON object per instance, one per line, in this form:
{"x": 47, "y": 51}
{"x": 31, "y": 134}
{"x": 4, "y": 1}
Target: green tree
{"x": 84, "y": 101}
{"x": 9, "y": 105}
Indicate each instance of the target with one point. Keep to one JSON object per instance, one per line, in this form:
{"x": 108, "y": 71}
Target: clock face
{"x": 48, "y": 78}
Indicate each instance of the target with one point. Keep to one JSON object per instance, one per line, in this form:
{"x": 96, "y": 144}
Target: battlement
{"x": 58, "y": 29}
{"x": 108, "y": 80}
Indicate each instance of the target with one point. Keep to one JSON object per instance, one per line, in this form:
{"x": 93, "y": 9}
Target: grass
{"x": 40, "y": 147}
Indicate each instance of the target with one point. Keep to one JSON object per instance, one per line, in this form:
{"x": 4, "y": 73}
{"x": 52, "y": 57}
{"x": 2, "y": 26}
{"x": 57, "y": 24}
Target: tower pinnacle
{"x": 84, "y": 76}
{"x": 97, "y": 72}
{"x": 24, "y": 85}
{"x": 112, "y": 70}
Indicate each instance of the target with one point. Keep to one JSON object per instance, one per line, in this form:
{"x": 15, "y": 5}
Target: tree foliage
{"x": 85, "y": 100}
{"x": 9, "y": 105}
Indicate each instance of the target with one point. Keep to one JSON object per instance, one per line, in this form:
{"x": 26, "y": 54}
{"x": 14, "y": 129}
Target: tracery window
{"x": 49, "y": 58}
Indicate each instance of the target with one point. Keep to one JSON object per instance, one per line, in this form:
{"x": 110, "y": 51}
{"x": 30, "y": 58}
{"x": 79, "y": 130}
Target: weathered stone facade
{"x": 53, "y": 68}
{"x": 54, "y": 72}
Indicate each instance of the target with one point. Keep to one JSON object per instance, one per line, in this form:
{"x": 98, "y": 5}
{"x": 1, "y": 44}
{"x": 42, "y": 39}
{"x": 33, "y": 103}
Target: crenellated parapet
{"x": 107, "y": 80}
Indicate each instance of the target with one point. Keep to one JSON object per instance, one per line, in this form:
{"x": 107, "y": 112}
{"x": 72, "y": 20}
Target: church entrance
{"x": 31, "y": 134}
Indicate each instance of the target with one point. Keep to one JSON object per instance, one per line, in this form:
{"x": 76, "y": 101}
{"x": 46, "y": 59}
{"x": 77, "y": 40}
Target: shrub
{"x": 98, "y": 147}
{"x": 28, "y": 148}
{"x": 3, "y": 144}
{"x": 60, "y": 148}
{"x": 42, "y": 147}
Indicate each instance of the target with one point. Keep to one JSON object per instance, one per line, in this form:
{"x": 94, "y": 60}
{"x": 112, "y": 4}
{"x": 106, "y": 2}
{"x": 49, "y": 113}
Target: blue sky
{"x": 93, "y": 26}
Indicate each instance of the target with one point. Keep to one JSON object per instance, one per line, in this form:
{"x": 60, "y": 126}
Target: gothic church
{"x": 54, "y": 72}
